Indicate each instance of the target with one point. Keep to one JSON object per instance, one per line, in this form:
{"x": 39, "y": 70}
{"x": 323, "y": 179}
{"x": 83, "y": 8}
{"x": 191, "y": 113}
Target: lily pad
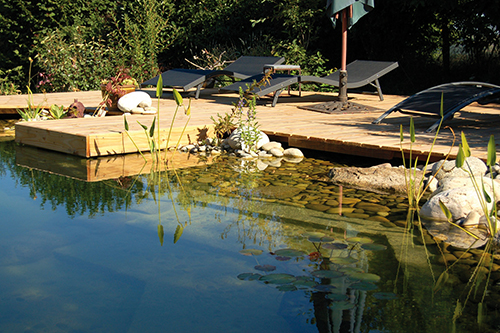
{"x": 334, "y": 246}
{"x": 342, "y": 305}
{"x": 282, "y": 258}
{"x": 322, "y": 239}
{"x": 361, "y": 240}
{"x": 305, "y": 283}
{"x": 350, "y": 270}
{"x": 289, "y": 253}
{"x": 343, "y": 260}
{"x": 265, "y": 268}
{"x": 363, "y": 285}
{"x": 277, "y": 278}
{"x": 327, "y": 274}
{"x": 251, "y": 252}
{"x": 326, "y": 288}
{"x": 373, "y": 247}
{"x": 286, "y": 287}
{"x": 249, "y": 276}
{"x": 385, "y": 295}
{"x": 313, "y": 234}
{"x": 337, "y": 297}
{"x": 368, "y": 277}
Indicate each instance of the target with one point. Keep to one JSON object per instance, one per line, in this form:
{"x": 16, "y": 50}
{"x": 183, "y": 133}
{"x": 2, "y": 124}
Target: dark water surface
{"x": 87, "y": 257}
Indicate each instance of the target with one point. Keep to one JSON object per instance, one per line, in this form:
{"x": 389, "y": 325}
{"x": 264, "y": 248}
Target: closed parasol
{"x": 348, "y": 12}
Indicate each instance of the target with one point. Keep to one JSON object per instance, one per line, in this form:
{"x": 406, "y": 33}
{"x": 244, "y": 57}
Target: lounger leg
{"x": 275, "y": 98}
{"x": 386, "y": 113}
{"x": 198, "y": 89}
{"x": 379, "y": 89}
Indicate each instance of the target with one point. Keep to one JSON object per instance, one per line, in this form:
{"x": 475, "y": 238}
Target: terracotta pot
{"x": 114, "y": 98}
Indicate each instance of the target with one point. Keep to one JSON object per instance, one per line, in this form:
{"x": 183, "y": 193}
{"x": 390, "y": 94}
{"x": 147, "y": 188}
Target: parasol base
{"x": 339, "y": 107}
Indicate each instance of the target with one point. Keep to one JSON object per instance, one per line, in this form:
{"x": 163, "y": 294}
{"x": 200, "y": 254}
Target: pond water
{"x": 214, "y": 248}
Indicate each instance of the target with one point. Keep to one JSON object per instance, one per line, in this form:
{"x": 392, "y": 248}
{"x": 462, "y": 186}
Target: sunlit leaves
{"x": 492, "y": 153}
{"x": 187, "y": 111}
{"x": 152, "y": 128}
{"x": 177, "y": 97}
{"x": 126, "y": 123}
{"x": 465, "y": 146}
{"x": 159, "y": 86}
{"x": 441, "y": 108}
{"x": 412, "y": 131}
{"x": 460, "y": 160}
{"x": 445, "y": 210}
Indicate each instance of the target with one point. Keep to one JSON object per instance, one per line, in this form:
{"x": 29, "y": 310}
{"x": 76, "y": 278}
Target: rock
{"x": 277, "y": 192}
{"x": 270, "y": 145}
{"x": 133, "y": 100}
{"x": 235, "y": 140}
{"x": 460, "y": 202}
{"x": 318, "y": 207}
{"x": 372, "y": 207}
{"x": 376, "y": 179}
{"x": 448, "y": 168}
{"x": 276, "y": 152}
{"x": 293, "y": 152}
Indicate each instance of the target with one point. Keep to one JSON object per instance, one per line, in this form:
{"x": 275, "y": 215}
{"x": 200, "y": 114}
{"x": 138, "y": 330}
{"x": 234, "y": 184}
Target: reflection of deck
{"x": 343, "y": 133}
{"x": 100, "y": 168}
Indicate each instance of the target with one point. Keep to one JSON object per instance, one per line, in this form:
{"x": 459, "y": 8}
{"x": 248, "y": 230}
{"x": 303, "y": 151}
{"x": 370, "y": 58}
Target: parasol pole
{"x": 343, "y": 58}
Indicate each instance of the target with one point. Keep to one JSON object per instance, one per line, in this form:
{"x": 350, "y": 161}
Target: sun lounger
{"x": 186, "y": 79}
{"x": 456, "y": 95}
{"x": 359, "y": 74}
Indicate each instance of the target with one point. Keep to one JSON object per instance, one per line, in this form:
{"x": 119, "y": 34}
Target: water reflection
{"x": 93, "y": 261}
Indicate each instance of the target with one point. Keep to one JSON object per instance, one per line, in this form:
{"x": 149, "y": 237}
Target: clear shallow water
{"x": 80, "y": 257}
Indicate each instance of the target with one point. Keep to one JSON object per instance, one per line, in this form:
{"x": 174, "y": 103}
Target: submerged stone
{"x": 278, "y": 192}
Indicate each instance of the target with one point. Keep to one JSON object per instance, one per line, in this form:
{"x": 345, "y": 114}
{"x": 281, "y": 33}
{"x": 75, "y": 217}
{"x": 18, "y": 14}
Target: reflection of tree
{"x": 76, "y": 196}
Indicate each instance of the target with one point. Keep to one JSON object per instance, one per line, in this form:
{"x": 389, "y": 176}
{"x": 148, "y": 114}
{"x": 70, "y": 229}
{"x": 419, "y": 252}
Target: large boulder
{"x": 444, "y": 169}
{"x": 384, "y": 178}
{"x": 460, "y": 201}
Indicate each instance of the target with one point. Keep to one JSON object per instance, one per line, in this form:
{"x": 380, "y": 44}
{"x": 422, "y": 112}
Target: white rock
{"x": 448, "y": 169}
{"x": 293, "y": 152}
{"x": 277, "y": 152}
{"x": 460, "y": 202}
{"x": 270, "y": 145}
{"x": 235, "y": 141}
{"x": 134, "y": 99}
{"x": 290, "y": 159}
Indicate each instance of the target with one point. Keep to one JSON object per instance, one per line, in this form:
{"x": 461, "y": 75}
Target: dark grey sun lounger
{"x": 359, "y": 74}
{"x": 242, "y": 68}
{"x": 456, "y": 95}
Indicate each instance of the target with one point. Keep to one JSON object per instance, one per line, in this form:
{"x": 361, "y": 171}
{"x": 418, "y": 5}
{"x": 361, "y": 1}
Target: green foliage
{"x": 57, "y": 112}
{"x": 81, "y": 41}
{"x": 71, "y": 60}
{"x": 143, "y": 29}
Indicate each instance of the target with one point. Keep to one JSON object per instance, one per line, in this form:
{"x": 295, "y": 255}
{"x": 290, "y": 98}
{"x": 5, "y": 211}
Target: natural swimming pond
{"x": 244, "y": 250}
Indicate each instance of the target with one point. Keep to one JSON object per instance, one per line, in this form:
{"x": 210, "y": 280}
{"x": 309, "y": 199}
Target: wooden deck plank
{"x": 342, "y": 133}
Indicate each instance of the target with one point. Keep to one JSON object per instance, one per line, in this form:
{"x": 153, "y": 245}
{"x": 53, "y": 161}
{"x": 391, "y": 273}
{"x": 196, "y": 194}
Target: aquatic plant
{"x": 243, "y": 116}
{"x": 159, "y": 173}
{"x": 415, "y": 191}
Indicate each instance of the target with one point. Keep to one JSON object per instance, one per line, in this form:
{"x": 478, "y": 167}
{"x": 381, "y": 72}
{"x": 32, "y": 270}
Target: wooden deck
{"x": 348, "y": 133}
